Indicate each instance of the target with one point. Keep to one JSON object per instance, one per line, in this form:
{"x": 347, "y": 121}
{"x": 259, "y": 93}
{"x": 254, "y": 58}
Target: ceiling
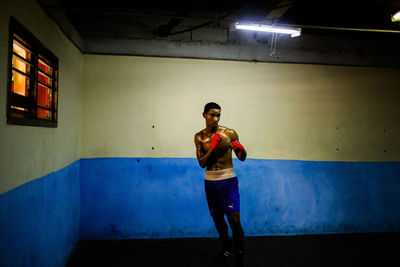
{"x": 91, "y": 25}
{"x": 163, "y": 18}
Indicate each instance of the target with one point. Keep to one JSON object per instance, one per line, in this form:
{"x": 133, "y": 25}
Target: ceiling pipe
{"x": 167, "y": 29}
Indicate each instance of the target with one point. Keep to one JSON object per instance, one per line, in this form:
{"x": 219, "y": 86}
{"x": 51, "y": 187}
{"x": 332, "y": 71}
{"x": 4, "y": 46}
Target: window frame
{"x": 30, "y": 117}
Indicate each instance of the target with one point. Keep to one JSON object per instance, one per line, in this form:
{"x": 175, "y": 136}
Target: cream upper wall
{"x": 30, "y": 152}
{"x": 281, "y": 111}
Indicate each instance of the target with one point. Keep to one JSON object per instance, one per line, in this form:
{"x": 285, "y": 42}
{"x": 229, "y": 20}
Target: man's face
{"x": 212, "y": 117}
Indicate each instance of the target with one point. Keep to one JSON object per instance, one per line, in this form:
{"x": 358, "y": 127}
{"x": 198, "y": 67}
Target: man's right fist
{"x": 215, "y": 140}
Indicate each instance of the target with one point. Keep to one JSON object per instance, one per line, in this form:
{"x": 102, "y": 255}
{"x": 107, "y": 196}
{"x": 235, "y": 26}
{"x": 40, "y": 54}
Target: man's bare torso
{"x": 222, "y": 158}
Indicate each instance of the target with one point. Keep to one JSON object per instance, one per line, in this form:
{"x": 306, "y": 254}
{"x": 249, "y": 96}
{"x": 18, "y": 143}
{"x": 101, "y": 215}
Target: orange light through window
{"x": 20, "y": 83}
{"x": 44, "y": 114}
{"x": 44, "y": 96}
{"x": 19, "y": 108}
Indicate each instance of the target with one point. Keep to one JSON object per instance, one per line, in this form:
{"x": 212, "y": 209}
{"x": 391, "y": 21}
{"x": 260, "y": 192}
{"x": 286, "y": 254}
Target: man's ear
{"x": 204, "y": 115}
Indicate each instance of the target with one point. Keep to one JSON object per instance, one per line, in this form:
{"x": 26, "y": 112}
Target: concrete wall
{"x": 40, "y": 166}
{"x": 322, "y": 143}
{"x": 321, "y": 140}
{"x": 281, "y": 111}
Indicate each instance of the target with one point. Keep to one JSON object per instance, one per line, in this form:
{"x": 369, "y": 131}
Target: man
{"x": 214, "y": 146}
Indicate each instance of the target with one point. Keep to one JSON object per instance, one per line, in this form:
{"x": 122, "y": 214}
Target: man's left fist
{"x": 237, "y": 146}
{"x": 215, "y": 140}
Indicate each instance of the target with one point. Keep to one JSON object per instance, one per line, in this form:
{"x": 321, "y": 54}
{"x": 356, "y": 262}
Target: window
{"x": 32, "y": 80}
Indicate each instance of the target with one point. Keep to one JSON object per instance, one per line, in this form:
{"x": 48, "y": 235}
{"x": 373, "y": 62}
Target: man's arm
{"x": 201, "y": 157}
{"x": 240, "y": 152}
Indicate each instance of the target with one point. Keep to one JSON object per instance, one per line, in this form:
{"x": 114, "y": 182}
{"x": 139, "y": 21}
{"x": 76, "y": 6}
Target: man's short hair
{"x": 211, "y": 105}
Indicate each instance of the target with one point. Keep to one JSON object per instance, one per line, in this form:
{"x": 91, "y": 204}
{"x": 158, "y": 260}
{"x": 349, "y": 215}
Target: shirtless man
{"x": 214, "y": 147}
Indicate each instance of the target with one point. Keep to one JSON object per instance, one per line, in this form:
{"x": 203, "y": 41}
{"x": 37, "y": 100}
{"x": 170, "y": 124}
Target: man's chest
{"x": 223, "y": 145}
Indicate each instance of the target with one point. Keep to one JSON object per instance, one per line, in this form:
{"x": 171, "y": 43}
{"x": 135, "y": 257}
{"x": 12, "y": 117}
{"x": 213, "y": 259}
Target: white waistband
{"x": 220, "y": 174}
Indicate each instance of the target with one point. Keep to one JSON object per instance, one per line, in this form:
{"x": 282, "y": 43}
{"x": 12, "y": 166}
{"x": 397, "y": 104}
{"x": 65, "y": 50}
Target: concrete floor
{"x": 368, "y": 249}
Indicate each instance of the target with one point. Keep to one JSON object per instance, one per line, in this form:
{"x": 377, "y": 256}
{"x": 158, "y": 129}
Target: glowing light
{"x": 294, "y": 32}
{"x": 19, "y": 108}
{"x": 396, "y": 17}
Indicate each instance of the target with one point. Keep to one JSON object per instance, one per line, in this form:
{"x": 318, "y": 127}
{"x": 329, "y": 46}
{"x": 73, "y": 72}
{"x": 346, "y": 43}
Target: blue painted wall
{"x": 164, "y": 197}
{"x": 39, "y": 220}
{"x": 116, "y": 198}
{"x": 143, "y": 198}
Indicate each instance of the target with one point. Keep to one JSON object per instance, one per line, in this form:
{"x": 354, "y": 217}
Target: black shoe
{"x": 239, "y": 258}
{"x": 222, "y": 257}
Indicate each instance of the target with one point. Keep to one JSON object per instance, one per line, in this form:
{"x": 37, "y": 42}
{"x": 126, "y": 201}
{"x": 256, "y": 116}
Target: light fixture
{"x": 396, "y": 17}
{"x": 294, "y": 32}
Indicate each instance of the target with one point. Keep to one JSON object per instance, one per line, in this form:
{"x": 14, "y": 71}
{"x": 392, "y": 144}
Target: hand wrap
{"x": 237, "y": 146}
{"x": 215, "y": 140}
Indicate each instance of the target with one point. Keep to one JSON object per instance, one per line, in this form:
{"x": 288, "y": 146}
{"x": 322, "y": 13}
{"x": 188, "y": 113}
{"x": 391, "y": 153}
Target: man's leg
{"x": 222, "y": 229}
{"x": 238, "y": 236}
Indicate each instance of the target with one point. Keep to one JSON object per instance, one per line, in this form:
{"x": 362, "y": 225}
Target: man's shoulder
{"x": 200, "y": 133}
{"x": 226, "y": 130}
{"x": 231, "y": 133}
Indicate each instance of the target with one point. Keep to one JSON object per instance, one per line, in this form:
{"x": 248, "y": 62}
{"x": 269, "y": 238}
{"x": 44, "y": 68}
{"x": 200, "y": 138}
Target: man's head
{"x": 211, "y": 105}
{"x": 212, "y": 114}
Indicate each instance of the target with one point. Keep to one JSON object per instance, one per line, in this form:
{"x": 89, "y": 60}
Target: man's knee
{"x": 218, "y": 217}
{"x": 234, "y": 218}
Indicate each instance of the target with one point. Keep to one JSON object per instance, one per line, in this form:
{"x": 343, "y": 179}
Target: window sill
{"x": 28, "y": 122}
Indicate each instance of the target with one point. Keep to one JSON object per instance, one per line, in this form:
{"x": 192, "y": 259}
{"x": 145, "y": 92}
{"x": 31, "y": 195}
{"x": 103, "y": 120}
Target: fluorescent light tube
{"x": 294, "y": 32}
{"x": 396, "y": 17}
